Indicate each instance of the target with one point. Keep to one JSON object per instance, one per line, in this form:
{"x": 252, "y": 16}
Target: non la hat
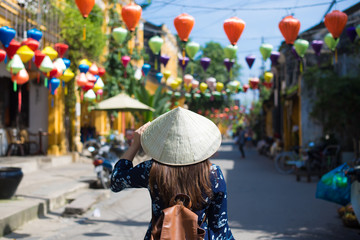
{"x": 181, "y": 137}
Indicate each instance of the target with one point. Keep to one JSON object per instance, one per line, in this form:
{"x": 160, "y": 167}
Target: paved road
{"x": 263, "y": 204}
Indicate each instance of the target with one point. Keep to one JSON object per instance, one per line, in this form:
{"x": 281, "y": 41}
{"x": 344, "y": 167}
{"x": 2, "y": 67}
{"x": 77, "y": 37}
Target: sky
{"x": 261, "y": 17}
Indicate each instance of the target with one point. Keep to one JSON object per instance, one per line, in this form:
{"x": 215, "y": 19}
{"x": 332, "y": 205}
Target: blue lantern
{"x": 83, "y": 68}
{"x": 53, "y": 85}
{"x": 34, "y": 34}
{"x": 6, "y": 35}
{"x": 67, "y": 62}
{"x": 159, "y": 76}
{"x": 146, "y": 69}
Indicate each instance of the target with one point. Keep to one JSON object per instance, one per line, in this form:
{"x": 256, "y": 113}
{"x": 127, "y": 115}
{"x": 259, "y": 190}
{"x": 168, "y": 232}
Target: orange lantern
{"x": 20, "y": 78}
{"x": 233, "y": 28}
{"x": 85, "y": 6}
{"x": 335, "y": 22}
{"x": 184, "y": 24}
{"x": 131, "y": 14}
{"x": 289, "y": 28}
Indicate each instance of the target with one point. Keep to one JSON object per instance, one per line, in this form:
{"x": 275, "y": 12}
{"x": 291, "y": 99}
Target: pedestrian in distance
{"x": 180, "y": 143}
{"x": 240, "y": 140}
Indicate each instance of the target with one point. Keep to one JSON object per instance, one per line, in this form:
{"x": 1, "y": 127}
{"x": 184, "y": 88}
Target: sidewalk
{"x": 48, "y": 183}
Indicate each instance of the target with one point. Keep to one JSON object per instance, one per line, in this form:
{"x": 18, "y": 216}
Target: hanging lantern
{"x": 61, "y": 49}
{"x": 15, "y": 65}
{"x": 155, "y": 44}
{"x": 87, "y": 86}
{"x": 250, "y": 59}
{"x": 38, "y": 58}
{"x": 245, "y": 87}
{"x": 102, "y": 71}
{"x": 233, "y": 28}
{"x": 211, "y": 82}
{"x": 94, "y": 70}
{"x": 20, "y": 78}
{"x": 183, "y": 25}
{"x": 67, "y": 75}
{"x": 85, "y": 7}
{"x": 357, "y": 29}
{"x": 125, "y": 60}
{"x": 59, "y": 63}
{"x": 301, "y": 47}
{"x": 81, "y": 80}
{"x": 49, "y": 51}
{"x": 84, "y": 68}
{"x": 166, "y": 74}
{"x": 268, "y": 76}
{"x": 90, "y": 96}
{"x": 90, "y": 77}
{"x": 85, "y": 62}
{"x": 67, "y": 62}
{"x": 159, "y": 76}
{"x": 119, "y": 34}
{"x": 183, "y": 62}
{"x": 289, "y": 28}
{"x": 164, "y": 59}
{"x": 317, "y": 45}
{"x": 2, "y": 55}
{"x": 194, "y": 84}
{"x": 203, "y": 87}
{"x": 228, "y": 64}
{"x": 219, "y": 86}
{"x": 274, "y": 57}
{"x": 230, "y": 51}
{"x": 146, "y": 69}
{"x": 331, "y": 42}
{"x": 34, "y": 34}
{"x": 335, "y": 22}
{"x": 12, "y": 48}
{"x": 54, "y": 83}
{"x": 174, "y": 85}
{"x": 233, "y": 86}
{"x": 265, "y": 50}
{"x": 254, "y": 83}
{"x": 46, "y": 66}
{"x": 55, "y": 72}
{"x": 31, "y": 43}
{"x": 7, "y": 34}
{"x": 98, "y": 85}
{"x": 191, "y": 49}
{"x": 188, "y": 79}
{"x": 351, "y": 32}
{"x": 205, "y": 63}
{"x": 131, "y": 15}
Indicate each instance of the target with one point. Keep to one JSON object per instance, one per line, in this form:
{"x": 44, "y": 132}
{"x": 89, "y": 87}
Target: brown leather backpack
{"x": 178, "y": 222}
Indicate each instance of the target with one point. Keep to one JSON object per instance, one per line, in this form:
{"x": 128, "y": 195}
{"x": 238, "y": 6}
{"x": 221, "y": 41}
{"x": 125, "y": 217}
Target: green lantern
{"x": 216, "y": 94}
{"x": 188, "y": 96}
{"x": 119, "y": 34}
{"x": 301, "y": 46}
{"x": 177, "y": 95}
{"x": 207, "y": 96}
{"x": 265, "y": 50}
{"x": 197, "y": 96}
{"x": 155, "y": 44}
{"x": 169, "y": 93}
{"x": 357, "y": 29}
{"x": 331, "y": 42}
{"x": 230, "y": 51}
{"x": 191, "y": 49}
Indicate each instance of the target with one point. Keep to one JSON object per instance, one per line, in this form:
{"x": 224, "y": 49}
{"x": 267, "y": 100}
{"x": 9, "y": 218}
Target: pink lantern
{"x": 90, "y": 77}
{"x": 194, "y": 84}
{"x": 188, "y": 79}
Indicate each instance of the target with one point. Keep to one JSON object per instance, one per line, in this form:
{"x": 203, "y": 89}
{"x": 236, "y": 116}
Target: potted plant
{"x": 10, "y": 177}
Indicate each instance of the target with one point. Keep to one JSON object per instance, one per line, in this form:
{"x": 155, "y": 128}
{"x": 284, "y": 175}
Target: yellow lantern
{"x": 268, "y": 76}
{"x": 67, "y": 75}
{"x": 219, "y": 86}
{"x": 49, "y": 51}
{"x": 203, "y": 87}
{"x": 187, "y": 87}
{"x": 25, "y": 53}
{"x": 86, "y": 62}
{"x": 166, "y": 74}
{"x": 98, "y": 85}
{"x": 174, "y": 84}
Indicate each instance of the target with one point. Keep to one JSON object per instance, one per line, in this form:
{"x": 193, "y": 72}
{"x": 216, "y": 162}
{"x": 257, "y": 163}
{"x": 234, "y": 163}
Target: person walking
{"x": 180, "y": 143}
{"x": 240, "y": 133}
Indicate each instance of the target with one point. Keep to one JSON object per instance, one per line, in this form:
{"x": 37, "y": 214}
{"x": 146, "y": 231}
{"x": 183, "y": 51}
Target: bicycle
{"x": 286, "y": 162}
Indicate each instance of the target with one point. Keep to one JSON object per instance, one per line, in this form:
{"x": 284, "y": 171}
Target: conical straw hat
{"x": 181, "y": 137}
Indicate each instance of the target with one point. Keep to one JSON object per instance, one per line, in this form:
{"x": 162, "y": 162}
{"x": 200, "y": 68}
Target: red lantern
{"x": 233, "y": 28}
{"x": 12, "y": 48}
{"x": 90, "y": 77}
{"x": 335, "y": 22}
{"x": 55, "y": 73}
{"x": 31, "y": 43}
{"x": 131, "y": 14}
{"x": 85, "y": 6}
{"x": 61, "y": 48}
{"x": 20, "y": 78}
{"x": 268, "y": 85}
{"x": 245, "y": 87}
{"x": 254, "y": 83}
{"x": 102, "y": 71}
{"x": 39, "y": 57}
{"x": 184, "y": 24}
{"x": 88, "y": 85}
{"x": 81, "y": 80}
{"x": 2, "y": 55}
{"x": 94, "y": 70}
{"x": 289, "y": 28}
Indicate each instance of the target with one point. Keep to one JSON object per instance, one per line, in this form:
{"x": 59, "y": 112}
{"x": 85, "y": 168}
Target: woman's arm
{"x": 136, "y": 144}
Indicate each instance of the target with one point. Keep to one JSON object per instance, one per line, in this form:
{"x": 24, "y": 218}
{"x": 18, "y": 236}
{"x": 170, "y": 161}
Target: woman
{"x": 180, "y": 143}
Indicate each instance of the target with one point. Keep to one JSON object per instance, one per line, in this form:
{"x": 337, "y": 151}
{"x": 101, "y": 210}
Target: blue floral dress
{"x": 216, "y": 226}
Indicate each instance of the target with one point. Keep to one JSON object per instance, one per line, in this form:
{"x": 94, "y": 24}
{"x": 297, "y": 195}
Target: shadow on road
{"x": 264, "y": 204}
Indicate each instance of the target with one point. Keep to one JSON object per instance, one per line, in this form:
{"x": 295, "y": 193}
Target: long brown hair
{"x": 193, "y": 180}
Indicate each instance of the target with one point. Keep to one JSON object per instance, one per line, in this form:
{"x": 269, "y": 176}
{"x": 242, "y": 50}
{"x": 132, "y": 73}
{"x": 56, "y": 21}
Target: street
{"x": 262, "y": 204}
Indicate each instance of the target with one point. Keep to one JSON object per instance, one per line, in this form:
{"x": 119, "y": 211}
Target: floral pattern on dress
{"x": 216, "y": 226}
